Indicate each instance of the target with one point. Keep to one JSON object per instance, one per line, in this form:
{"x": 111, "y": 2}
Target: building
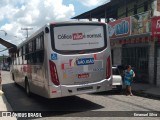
{"x": 5, "y": 61}
{"x": 134, "y": 29}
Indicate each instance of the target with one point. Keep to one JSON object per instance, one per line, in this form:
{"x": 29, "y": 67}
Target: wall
{"x": 151, "y": 63}
{"x": 156, "y": 12}
{"x": 117, "y": 55}
{"x": 130, "y": 6}
{"x": 158, "y": 66}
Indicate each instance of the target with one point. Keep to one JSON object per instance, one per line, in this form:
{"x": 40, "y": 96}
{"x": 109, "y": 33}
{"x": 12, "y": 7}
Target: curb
{"x": 147, "y": 95}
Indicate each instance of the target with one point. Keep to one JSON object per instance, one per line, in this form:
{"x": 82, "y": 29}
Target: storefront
{"x": 132, "y": 43}
{"x": 134, "y": 39}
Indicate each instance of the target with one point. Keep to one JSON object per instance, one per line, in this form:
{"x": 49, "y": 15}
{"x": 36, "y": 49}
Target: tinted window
{"x": 75, "y": 38}
{"x": 115, "y": 71}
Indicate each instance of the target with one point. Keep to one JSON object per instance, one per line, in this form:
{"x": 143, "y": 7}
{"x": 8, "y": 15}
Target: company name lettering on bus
{"x": 79, "y": 36}
{"x": 64, "y": 36}
{"x": 83, "y": 75}
{"x": 85, "y": 61}
{"x": 94, "y": 35}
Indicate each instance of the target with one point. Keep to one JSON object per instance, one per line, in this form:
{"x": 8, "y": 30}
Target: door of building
{"x": 137, "y": 56}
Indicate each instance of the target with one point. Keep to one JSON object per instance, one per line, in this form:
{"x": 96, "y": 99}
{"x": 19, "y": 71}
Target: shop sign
{"x": 156, "y": 26}
{"x": 119, "y": 28}
{"x": 144, "y": 39}
{"x": 141, "y": 23}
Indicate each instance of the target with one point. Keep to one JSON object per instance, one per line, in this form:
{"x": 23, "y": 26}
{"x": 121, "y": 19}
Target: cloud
{"x": 17, "y": 14}
{"x": 92, "y": 3}
{"x": 34, "y": 13}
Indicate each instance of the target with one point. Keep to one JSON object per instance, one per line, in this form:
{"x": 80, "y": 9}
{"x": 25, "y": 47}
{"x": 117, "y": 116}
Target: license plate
{"x": 85, "y": 88}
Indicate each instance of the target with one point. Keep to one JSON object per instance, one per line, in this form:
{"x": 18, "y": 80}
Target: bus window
{"x": 30, "y": 47}
{"x": 38, "y": 43}
{"x": 88, "y": 38}
{"x": 40, "y": 56}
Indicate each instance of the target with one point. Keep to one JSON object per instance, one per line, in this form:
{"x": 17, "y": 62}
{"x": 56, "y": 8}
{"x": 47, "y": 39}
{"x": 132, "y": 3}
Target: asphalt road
{"x": 85, "y": 106}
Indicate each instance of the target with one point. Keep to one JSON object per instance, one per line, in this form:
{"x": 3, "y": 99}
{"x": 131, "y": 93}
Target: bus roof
{"x": 77, "y": 22}
{"x": 57, "y": 23}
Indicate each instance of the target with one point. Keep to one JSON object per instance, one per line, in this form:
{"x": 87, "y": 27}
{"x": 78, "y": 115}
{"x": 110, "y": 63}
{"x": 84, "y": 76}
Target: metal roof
{"x": 107, "y": 10}
{"x": 11, "y": 47}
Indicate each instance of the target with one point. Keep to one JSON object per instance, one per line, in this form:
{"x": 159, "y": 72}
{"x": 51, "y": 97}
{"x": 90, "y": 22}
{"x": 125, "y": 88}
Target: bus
{"x": 64, "y": 59}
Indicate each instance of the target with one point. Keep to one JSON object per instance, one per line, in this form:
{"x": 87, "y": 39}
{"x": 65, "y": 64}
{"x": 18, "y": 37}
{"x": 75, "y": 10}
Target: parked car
{"x": 117, "y": 82}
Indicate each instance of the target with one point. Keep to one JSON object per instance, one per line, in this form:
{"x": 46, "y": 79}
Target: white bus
{"x": 64, "y": 59}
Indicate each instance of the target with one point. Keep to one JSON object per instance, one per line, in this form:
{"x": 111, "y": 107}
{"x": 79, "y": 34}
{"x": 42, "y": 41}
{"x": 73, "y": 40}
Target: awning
{"x": 11, "y": 47}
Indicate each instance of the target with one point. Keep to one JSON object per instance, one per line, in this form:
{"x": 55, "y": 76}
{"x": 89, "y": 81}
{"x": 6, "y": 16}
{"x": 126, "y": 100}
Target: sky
{"x": 18, "y": 14}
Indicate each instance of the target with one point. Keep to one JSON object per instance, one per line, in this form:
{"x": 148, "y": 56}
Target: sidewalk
{"x": 146, "y": 90}
{"x": 5, "y": 106}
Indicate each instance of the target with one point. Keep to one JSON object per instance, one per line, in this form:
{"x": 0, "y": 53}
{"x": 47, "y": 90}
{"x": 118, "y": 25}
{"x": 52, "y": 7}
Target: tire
{"x": 119, "y": 88}
{"x": 13, "y": 78}
{"x": 27, "y": 88}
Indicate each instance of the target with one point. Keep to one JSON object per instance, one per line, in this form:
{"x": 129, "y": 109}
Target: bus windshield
{"x": 74, "y": 38}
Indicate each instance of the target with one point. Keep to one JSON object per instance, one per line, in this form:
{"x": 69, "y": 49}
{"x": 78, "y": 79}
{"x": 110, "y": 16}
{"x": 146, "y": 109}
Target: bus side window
{"x": 38, "y": 43}
{"x": 42, "y": 42}
{"x": 30, "y": 47}
{"x": 26, "y": 49}
{"x": 14, "y": 58}
{"x": 34, "y": 57}
{"x": 40, "y": 56}
{"x": 24, "y": 59}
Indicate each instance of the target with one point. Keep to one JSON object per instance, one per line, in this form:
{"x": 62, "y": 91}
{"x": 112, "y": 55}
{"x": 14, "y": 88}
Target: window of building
{"x": 135, "y": 9}
{"x": 138, "y": 58}
{"x": 126, "y": 12}
{"x": 145, "y": 6}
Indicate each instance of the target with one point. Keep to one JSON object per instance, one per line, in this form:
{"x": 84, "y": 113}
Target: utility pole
{"x": 27, "y": 30}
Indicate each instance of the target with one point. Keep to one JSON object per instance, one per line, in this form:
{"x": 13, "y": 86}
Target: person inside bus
{"x": 128, "y": 79}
